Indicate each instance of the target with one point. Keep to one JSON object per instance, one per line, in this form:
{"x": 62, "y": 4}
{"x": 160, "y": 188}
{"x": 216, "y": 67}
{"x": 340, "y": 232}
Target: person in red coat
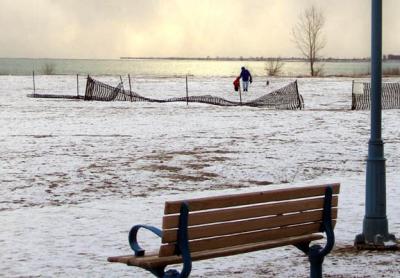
{"x": 236, "y": 83}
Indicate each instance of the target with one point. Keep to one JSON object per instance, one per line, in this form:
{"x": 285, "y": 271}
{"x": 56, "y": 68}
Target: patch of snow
{"x": 75, "y": 175}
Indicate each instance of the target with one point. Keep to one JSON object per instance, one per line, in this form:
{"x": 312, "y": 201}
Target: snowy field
{"x": 75, "y": 175}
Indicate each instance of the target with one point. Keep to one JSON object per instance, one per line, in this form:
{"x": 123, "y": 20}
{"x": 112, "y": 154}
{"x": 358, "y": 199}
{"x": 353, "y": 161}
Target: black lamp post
{"x": 375, "y": 226}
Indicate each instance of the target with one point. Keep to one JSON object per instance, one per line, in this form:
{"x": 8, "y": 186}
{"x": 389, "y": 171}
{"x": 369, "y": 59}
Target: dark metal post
{"x": 130, "y": 86}
{"x": 187, "y": 91}
{"x": 240, "y": 94}
{"x": 34, "y": 85}
{"x": 77, "y": 85}
{"x": 123, "y": 90}
{"x": 353, "y": 102}
{"x": 375, "y": 224}
{"x": 301, "y": 104}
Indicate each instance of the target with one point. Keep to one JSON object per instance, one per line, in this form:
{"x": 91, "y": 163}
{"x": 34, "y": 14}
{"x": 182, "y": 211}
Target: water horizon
{"x": 175, "y": 66}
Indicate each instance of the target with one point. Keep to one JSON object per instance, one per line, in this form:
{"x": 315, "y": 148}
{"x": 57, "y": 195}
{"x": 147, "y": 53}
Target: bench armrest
{"x": 327, "y": 223}
{"x": 133, "y": 238}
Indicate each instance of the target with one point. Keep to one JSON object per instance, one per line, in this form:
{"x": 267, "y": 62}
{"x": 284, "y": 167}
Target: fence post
{"x": 123, "y": 90}
{"x": 34, "y": 86}
{"x": 301, "y": 103}
{"x": 187, "y": 91}
{"x": 353, "y": 104}
{"x": 87, "y": 90}
{"x": 240, "y": 94}
{"x": 130, "y": 86}
{"x": 77, "y": 85}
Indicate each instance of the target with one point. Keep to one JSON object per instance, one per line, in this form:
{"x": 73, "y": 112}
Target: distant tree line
{"x": 391, "y": 57}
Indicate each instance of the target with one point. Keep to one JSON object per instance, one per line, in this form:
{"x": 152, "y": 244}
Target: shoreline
{"x": 167, "y": 67}
{"x": 355, "y": 76}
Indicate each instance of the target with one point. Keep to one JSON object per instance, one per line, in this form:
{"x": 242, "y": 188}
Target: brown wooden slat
{"x": 246, "y": 238}
{"x": 227, "y": 228}
{"x": 231, "y": 214}
{"x": 150, "y": 261}
{"x": 172, "y": 207}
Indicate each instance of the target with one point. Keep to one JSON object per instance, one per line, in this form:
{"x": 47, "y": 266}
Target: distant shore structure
{"x": 261, "y": 58}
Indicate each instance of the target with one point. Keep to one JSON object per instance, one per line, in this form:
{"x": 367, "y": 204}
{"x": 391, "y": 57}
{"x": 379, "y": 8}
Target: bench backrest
{"x": 230, "y": 220}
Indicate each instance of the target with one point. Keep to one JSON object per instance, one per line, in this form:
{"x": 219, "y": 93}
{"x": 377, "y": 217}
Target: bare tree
{"x": 274, "y": 66}
{"x": 307, "y": 34}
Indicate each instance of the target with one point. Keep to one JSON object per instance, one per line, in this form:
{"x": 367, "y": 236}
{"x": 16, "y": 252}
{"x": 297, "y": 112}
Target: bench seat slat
{"x": 172, "y": 207}
{"x": 244, "y": 238}
{"x": 154, "y": 261}
{"x": 231, "y": 214}
{"x": 226, "y": 228}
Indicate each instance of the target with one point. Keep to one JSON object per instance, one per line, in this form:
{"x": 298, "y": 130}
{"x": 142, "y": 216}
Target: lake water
{"x": 168, "y": 68}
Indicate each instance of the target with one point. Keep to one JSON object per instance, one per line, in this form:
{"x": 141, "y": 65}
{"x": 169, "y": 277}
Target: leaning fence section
{"x": 96, "y": 90}
{"x": 287, "y": 97}
{"x": 361, "y": 96}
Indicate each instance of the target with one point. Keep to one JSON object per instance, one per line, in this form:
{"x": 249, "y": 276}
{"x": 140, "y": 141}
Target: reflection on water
{"x": 174, "y": 67}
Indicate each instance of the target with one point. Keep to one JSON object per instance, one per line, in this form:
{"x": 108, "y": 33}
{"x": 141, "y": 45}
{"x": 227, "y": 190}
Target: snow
{"x": 75, "y": 175}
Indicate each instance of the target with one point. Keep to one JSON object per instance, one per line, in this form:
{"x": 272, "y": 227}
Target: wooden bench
{"x": 204, "y": 228}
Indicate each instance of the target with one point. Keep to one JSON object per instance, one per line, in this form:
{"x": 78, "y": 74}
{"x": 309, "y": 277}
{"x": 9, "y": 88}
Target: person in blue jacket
{"x": 245, "y": 75}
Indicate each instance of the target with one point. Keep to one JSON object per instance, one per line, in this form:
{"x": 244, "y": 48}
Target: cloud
{"x": 113, "y": 28}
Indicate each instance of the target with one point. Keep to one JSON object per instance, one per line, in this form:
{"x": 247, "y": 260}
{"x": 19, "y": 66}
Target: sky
{"x": 185, "y": 28}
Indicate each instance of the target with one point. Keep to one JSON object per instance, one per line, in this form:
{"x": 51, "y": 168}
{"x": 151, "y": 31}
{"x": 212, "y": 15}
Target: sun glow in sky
{"x": 188, "y": 28}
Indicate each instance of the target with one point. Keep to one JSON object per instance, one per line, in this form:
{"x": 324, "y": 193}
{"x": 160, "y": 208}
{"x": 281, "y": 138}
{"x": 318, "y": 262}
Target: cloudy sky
{"x": 114, "y": 28}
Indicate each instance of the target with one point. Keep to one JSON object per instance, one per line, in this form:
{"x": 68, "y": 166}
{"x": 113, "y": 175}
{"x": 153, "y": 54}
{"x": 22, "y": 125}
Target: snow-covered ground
{"x": 75, "y": 175}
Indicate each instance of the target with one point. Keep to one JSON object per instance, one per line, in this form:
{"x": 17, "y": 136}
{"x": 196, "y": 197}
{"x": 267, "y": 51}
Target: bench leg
{"x": 158, "y": 272}
{"x": 161, "y": 273}
{"x": 314, "y": 257}
{"x": 316, "y": 260}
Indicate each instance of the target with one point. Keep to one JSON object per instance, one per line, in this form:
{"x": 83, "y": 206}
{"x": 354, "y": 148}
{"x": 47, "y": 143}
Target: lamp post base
{"x": 379, "y": 242}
